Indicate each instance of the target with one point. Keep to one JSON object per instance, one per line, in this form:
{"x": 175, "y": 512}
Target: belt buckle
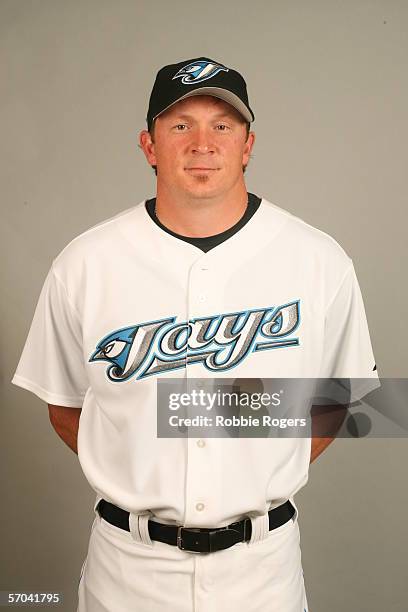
{"x": 180, "y": 540}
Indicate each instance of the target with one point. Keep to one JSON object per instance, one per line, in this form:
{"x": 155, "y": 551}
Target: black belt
{"x": 197, "y": 539}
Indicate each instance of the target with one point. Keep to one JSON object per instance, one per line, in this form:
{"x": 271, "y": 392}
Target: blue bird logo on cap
{"x": 198, "y": 71}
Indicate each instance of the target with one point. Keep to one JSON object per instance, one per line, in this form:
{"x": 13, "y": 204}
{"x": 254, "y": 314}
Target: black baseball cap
{"x": 193, "y": 77}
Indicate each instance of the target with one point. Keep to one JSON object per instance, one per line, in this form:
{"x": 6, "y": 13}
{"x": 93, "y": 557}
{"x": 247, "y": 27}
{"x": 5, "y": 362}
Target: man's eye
{"x": 180, "y": 126}
{"x": 222, "y": 127}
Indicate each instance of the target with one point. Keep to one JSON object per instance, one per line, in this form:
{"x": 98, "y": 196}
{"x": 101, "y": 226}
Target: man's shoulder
{"x": 307, "y": 238}
{"x": 97, "y": 239}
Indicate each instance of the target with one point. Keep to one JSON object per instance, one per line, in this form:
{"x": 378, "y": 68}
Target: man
{"x": 201, "y": 281}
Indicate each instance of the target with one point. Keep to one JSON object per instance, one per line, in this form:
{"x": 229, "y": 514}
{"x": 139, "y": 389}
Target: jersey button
{"x": 200, "y": 443}
{"x": 200, "y": 507}
{"x": 201, "y": 298}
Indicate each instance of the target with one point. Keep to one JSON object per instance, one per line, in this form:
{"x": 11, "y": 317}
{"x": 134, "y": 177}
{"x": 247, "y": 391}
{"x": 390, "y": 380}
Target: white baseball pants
{"x": 127, "y": 572}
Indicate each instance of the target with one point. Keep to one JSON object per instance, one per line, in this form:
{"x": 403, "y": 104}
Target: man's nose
{"x": 202, "y": 142}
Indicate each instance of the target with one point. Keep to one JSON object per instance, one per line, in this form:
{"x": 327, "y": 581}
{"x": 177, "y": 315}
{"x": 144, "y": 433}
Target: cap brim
{"x": 216, "y": 92}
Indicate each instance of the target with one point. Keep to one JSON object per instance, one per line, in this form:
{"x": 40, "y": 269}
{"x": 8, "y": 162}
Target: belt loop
{"x": 295, "y": 516}
{"x": 139, "y": 527}
{"x": 260, "y": 528}
{"x": 95, "y": 507}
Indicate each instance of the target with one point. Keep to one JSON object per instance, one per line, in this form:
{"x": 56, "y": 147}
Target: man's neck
{"x": 201, "y": 217}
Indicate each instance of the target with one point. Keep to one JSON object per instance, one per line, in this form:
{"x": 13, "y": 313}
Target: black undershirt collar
{"x": 209, "y": 242}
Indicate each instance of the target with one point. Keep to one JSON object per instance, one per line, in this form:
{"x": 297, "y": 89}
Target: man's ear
{"x": 248, "y": 148}
{"x": 147, "y": 145}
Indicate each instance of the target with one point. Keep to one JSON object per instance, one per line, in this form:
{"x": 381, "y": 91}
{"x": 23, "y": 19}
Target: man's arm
{"x": 318, "y": 446}
{"x": 326, "y": 423}
{"x": 65, "y": 421}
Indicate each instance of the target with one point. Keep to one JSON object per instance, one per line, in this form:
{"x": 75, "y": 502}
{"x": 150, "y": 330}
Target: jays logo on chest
{"x": 219, "y": 342}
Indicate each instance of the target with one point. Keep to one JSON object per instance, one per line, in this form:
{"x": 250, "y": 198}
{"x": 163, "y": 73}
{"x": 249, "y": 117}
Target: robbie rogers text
{"x": 234, "y": 421}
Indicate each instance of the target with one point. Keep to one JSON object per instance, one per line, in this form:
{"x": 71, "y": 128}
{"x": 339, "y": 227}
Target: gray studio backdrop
{"x": 328, "y": 84}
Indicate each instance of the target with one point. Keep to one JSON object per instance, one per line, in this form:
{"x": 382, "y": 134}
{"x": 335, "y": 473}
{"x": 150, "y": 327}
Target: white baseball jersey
{"x": 277, "y": 299}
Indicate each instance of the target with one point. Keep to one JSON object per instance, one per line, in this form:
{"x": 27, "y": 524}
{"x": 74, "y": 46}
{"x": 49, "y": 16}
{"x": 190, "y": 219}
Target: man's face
{"x": 199, "y": 147}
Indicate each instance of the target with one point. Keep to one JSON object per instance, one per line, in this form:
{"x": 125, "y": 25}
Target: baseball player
{"x": 204, "y": 280}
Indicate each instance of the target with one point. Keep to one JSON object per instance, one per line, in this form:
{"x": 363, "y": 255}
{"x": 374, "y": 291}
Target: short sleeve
{"x": 347, "y": 351}
{"x": 52, "y": 364}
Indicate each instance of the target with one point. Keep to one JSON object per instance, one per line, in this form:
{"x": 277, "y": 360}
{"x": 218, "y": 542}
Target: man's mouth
{"x": 201, "y": 168}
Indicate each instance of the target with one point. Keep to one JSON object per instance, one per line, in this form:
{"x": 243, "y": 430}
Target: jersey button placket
{"x": 197, "y": 480}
